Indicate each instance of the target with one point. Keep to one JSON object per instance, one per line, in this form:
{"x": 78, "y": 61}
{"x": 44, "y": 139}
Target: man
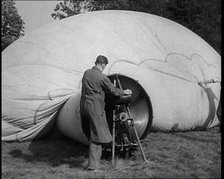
{"x": 94, "y": 86}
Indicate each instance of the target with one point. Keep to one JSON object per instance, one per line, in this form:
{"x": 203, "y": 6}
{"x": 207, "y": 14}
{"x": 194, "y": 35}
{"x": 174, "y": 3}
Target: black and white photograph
{"x": 111, "y": 89}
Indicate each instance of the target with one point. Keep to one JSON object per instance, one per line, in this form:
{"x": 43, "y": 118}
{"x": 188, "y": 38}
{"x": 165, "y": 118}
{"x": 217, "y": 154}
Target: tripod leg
{"x": 113, "y": 138}
{"x": 139, "y": 144}
{"x": 113, "y": 133}
{"x": 136, "y": 135}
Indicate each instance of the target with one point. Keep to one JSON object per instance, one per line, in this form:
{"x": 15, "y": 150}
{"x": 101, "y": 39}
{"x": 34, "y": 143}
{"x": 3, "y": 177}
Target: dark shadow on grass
{"x": 55, "y": 152}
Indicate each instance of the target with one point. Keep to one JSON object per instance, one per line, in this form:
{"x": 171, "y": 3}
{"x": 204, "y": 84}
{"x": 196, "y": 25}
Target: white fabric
{"x": 42, "y": 70}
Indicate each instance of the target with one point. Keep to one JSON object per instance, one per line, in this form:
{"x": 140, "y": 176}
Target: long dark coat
{"x": 92, "y": 104}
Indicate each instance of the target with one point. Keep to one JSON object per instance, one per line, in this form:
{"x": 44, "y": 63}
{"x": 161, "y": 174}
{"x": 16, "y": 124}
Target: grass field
{"x": 171, "y": 155}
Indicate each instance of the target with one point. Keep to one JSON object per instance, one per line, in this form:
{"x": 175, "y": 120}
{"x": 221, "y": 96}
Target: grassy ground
{"x": 177, "y": 155}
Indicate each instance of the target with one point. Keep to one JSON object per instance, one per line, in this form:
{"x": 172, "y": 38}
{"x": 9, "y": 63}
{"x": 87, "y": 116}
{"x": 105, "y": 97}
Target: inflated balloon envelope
{"x": 160, "y": 60}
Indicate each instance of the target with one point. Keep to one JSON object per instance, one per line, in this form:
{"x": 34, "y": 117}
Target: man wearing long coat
{"x": 94, "y": 86}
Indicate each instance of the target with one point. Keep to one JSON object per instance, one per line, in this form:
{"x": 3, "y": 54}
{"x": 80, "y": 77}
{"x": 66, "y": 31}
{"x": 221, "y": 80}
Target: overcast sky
{"x": 35, "y": 14}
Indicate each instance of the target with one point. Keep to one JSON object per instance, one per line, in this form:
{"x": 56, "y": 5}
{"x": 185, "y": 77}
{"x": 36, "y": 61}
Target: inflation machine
{"x": 125, "y": 139}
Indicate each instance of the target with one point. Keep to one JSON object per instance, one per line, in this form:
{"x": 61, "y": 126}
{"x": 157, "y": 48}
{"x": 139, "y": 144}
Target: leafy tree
{"x": 72, "y": 7}
{"x": 12, "y": 24}
{"x": 201, "y": 16}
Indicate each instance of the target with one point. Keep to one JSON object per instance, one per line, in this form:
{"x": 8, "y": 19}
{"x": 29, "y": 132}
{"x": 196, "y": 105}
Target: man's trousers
{"x": 95, "y": 153}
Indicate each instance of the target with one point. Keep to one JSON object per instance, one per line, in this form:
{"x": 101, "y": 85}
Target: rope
{"x": 172, "y": 75}
{"x": 50, "y": 97}
{"x": 175, "y": 76}
{"x": 120, "y": 61}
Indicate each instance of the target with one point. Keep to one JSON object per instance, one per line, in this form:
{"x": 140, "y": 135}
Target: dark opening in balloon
{"x": 140, "y": 106}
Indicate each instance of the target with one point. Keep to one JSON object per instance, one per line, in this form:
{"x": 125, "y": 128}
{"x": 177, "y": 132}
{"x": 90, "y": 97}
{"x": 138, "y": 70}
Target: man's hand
{"x": 127, "y": 92}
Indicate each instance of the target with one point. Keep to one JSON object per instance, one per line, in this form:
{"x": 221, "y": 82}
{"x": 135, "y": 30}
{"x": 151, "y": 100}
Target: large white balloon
{"x": 42, "y": 71}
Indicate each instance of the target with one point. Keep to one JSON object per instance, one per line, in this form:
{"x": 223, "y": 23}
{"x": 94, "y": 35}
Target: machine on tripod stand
{"x": 124, "y": 134}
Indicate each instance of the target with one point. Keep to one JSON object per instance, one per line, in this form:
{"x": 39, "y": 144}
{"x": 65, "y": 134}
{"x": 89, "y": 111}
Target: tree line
{"x": 12, "y": 25}
{"x": 201, "y": 16}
